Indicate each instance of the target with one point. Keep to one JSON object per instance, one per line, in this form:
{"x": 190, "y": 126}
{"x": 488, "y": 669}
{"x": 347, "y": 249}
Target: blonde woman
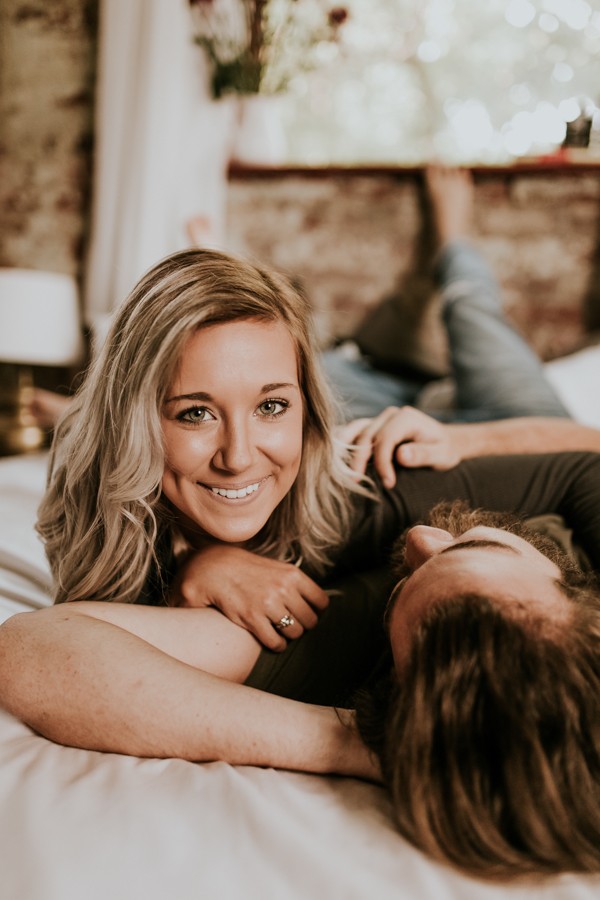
{"x": 108, "y": 520}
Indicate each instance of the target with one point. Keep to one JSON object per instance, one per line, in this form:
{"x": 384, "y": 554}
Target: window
{"x": 459, "y": 80}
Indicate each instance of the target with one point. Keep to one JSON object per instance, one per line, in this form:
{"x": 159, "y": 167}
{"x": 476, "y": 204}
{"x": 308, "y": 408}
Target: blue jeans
{"x": 496, "y": 373}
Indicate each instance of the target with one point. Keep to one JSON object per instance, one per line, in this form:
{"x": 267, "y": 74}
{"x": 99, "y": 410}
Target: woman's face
{"x": 232, "y": 426}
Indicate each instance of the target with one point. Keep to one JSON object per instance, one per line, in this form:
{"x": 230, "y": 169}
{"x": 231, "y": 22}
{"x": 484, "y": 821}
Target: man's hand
{"x": 353, "y": 757}
{"x": 405, "y": 434}
{"x": 252, "y": 591}
{"x": 416, "y": 440}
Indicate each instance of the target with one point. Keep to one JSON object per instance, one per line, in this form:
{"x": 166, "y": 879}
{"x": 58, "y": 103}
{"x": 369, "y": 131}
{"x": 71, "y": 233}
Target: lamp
{"x": 39, "y": 325}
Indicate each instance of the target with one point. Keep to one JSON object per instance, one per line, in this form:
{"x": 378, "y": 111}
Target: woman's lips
{"x": 231, "y": 493}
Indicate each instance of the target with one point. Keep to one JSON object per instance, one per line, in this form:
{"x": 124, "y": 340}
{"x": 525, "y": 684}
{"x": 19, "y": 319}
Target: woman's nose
{"x": 235, "y": 452}
{"x": 423, "y": 542}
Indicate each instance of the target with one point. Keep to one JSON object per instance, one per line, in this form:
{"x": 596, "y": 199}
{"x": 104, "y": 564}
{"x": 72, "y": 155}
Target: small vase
{"x": 205, "y": 159}
{"x": 219, "y": 129}
{"x": 260, "y": 138}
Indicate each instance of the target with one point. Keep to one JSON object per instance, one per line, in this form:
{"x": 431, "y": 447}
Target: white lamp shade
{"x": 39, "y": 318}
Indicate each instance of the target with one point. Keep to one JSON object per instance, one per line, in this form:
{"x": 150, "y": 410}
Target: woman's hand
{"x": 405, "y": 434}
{"x": 252, "y": 591}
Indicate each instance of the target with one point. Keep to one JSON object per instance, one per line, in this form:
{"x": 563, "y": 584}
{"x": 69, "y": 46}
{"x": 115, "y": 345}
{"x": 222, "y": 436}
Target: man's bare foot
{"x": 47, "y": 407}
{"x": 200, "y": 232}
{"x": 451, "y": 194}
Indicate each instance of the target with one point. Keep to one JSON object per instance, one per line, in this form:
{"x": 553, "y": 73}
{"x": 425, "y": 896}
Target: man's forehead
{"x": 502, "y": 542}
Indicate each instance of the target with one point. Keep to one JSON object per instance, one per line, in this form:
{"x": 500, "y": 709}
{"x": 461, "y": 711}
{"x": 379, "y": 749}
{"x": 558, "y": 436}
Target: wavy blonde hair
{"x": 107, "y": 534}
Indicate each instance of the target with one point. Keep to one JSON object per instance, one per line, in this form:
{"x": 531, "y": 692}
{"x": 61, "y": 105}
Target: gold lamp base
{"x": 17, "y": 438}
{"x": 19, "y": 432}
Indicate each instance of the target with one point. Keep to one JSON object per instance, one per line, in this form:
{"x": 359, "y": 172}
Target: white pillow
{"x": 25, "y": 581}
{"x": 576, "y": 380}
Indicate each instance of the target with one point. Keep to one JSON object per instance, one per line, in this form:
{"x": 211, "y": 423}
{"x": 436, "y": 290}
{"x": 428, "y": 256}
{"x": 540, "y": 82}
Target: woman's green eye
{"x": 195, "y": 415}
{"x": 273, "y": 407}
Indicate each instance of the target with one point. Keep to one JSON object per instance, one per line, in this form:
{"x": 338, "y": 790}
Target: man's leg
{"x": 497, "y": 374}
{"x": 362, "y": 389}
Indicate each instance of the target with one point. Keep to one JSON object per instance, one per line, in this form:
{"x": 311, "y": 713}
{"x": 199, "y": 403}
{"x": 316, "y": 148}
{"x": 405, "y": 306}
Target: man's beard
{"x": 456, "y": 517}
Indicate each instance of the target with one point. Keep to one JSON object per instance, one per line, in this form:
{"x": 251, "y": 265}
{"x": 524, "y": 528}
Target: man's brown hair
{"x": 489, "y": 737}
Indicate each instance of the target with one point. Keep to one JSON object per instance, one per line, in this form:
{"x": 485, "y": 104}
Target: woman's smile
{"x": 233, "y": 493}
{"x": 232, "y": 426}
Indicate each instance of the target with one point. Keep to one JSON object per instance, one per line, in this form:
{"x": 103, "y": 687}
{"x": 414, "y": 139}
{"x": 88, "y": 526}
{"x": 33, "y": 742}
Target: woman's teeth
{"x": 235, "y": 495}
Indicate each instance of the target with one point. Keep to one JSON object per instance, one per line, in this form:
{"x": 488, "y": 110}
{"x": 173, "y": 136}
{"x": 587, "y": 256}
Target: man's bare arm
{"x": 416, "y": 440}
{"x": 529, "y": 434}
{"x": 83, "y": 681}
{"x": 203, "y": 638}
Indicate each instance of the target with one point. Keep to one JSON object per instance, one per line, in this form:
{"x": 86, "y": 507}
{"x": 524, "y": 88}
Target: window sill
{"x": 578, "y": 162}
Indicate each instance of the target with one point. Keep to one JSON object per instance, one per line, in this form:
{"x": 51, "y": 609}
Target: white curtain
{"x": 160, "y": 154}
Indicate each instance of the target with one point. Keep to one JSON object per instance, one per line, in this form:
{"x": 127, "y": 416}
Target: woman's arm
{"x": 86, "y": 682}
{"x": 253, "y": 591}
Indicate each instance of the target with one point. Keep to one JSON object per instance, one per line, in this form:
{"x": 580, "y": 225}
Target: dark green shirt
{"x": 328, "y": 663}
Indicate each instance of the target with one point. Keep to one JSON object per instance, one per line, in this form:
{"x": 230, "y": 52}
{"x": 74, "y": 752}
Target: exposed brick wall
{"x": 352, "y": 238}
{"x": 47, "y": 58}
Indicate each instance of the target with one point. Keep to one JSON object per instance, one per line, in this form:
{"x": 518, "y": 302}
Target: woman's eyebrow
{"x": 197, "y": 395}
{"x": 277, "y": 385}
{"x": 202, "y": 395}
{"x": 472, "y": 544}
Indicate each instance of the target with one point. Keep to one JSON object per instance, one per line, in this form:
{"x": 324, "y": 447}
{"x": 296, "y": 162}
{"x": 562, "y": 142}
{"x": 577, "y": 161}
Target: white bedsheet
{"x": 80, "y": 825}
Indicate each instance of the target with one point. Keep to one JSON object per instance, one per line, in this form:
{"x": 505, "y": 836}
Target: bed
{"x": 80, "y": 824}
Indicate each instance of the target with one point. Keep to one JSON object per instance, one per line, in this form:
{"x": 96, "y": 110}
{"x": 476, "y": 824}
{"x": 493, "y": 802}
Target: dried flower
{"x": 337, "y": 15}
{"x": 256, "y": 46}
